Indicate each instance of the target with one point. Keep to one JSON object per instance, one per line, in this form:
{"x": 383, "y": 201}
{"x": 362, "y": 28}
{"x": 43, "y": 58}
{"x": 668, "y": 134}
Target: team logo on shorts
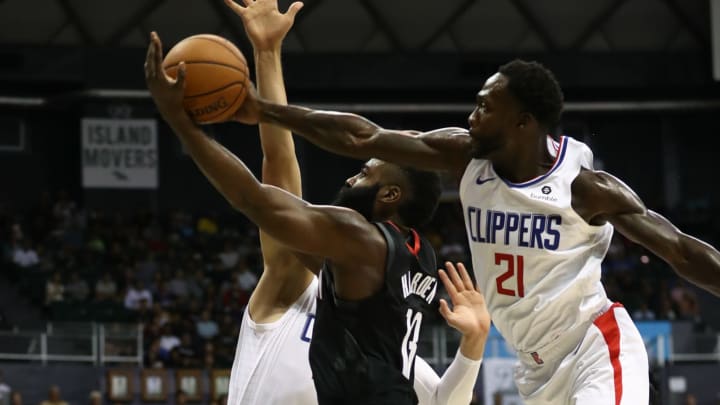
{"x": 546, "y": 190}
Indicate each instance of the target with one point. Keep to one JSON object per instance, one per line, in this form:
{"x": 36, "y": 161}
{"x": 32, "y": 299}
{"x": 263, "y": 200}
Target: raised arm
{"x": 609, "y": 199}
{"x": 339, "y": 234}
{"x": 284, "y": 278}
{"x": 357, "y": 137}
{"x": 470, "y": 316}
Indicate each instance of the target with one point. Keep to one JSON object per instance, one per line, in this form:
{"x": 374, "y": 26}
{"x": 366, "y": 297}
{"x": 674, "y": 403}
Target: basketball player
{"x": 539, "y": 221}
{"x": 278, "y": 307}
{"x": 271, "y": 360}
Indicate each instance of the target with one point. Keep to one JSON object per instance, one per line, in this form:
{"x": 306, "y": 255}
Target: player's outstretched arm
{"x": 612, "y": 200}
{"x": 284, "y": 278}
{"x": 335, "y": 233}
{"x": 357, "y": 137}
{"x": 470, "y": 316}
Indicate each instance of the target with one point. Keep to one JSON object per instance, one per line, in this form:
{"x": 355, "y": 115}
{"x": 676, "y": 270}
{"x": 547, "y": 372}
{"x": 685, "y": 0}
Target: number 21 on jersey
{"x": 515, "y": 268}
{"x": 409, "y": 343}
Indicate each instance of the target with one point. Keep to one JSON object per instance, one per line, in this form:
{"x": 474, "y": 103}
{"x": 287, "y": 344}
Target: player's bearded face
{"x": 360, "y": 199}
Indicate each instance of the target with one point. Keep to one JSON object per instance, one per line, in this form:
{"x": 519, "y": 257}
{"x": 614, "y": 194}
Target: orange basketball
{"x": 216, "y": 76}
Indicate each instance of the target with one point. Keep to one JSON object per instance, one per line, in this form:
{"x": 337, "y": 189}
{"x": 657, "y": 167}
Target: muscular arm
{"x": 357, "y": 137}
{"x": 612, "y": 201}
{"x": 339, "y": 234}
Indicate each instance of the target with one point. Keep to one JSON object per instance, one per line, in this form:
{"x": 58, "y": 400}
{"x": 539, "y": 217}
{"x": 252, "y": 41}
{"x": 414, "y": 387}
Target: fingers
{"x": 294, "y": 8}
{"x": 452, "y": 272}
{"x": 449, "y": 286}
{"x": 465, "y": 276}
{"x": 150, "y": 61}
{"x": 180, "y": 81}
{"x": 159, "y": 72}
{"x": 445, "y": 310}
{"x": 238, "y": 9}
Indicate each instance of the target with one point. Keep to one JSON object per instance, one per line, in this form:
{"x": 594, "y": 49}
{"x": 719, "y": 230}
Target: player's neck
{"x": 523, "y": 162}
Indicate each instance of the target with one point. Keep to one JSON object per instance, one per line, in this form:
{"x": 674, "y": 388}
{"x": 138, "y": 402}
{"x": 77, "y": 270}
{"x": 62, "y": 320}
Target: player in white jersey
{"x": 271, "y": 363}
{"x": 539, "y": 220}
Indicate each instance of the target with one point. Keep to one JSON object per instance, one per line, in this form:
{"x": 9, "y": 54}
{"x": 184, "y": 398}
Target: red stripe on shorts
{"x": 611, "y": 332}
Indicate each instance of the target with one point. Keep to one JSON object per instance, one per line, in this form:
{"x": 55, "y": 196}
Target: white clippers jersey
{"x": 271, "y": 360}
{"x": 535, "y": 259}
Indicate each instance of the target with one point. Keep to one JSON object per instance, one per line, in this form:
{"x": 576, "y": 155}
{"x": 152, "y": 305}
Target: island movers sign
{"x": 119, "y": 153}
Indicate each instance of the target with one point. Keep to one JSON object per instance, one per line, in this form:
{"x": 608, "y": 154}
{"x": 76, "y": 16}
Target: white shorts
{"x": 608, "y": 367}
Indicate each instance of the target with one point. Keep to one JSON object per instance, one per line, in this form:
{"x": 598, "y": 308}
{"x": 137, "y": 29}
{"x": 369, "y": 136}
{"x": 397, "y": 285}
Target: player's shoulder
{"x": 602, "y": 193}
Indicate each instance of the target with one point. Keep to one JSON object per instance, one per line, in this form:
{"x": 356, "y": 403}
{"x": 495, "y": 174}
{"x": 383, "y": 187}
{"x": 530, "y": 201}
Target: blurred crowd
{"x": 188, "y": 277}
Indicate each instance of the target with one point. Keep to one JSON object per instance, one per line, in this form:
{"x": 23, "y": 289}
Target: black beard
{"x": 360, "y": 199}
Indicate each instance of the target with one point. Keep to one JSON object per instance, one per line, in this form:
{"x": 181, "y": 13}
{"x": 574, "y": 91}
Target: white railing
{"x": 75, "y": 342}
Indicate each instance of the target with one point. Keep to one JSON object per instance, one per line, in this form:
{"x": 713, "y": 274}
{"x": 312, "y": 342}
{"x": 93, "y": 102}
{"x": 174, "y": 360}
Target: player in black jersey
{"x": 379, "y": 276}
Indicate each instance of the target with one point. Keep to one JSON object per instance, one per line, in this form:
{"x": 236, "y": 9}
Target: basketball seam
{"x": 216, "y": 90}
{"x": 209, "y": 63}
{"x": 232, "y": 51}
{"x": 223, "y": 111}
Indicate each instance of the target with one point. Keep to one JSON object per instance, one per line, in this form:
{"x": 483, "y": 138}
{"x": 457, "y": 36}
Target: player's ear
{"x": 389, "y": 193}
{"x": 526, "y": 120}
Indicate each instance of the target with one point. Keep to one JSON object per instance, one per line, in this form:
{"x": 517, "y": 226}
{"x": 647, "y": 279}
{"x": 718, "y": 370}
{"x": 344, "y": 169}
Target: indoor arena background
{"x": 640, "y": 89}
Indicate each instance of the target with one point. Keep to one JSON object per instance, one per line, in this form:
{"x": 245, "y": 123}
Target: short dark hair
{"x": 425, "y": 192}
{"x": 536, "y": 88}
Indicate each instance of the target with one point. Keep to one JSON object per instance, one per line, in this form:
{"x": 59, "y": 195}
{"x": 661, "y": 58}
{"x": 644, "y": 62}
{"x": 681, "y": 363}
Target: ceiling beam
{"x": 603, "y": 17}
{"x": 135, "y": 20}
{"x": 77, "y": 22}
{"x": 534, "y": 23}
{"x": 698, "y": 33}
{"x": 462, "y": 8}
{"x": 382, "y": 24}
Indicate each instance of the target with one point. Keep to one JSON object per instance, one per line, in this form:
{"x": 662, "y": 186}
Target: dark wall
{"x": 629, "y": 144}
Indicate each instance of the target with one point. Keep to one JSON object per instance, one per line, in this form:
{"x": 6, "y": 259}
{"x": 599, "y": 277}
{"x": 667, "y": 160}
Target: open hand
{"x": 264, "y": 24}
{"x": 469, "y": 315}
{"x": 165, "y": 91}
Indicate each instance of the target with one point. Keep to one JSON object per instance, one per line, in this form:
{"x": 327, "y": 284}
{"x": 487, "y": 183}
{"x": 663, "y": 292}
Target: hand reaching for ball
{"x": 165, "y": 91}
{"x": 264, "y": 24}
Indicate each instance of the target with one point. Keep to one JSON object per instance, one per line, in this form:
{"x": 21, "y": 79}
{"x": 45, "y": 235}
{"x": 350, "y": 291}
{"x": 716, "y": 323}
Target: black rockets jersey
{"x": 363, "y": 352}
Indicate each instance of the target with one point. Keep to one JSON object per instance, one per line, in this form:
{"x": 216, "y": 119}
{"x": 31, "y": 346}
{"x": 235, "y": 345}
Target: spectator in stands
{"x": 188, "y": 352}
{"x": 206, "y": 327}
{"x": 230, "y": 256}
{"x": 95, "y": 398}
{"x": 25, "y": 256}
{"x": 54, "y": 397}
{"x": 246, "y": 279}
{"x": 643, "y": 313}
{"x": 197, "y": 284}
{"x": 147, "y": 268}
{"x": 135, "y": 293}
{"x": 16, "y": 398}
{"x": 76, "y": 289}
{"x": 168, "y": 342}
{"x": 5, "y": 390}
{"x": 54, "y": 289}
{"x": 105, "y": 288}
{"x": 177, "y": 286}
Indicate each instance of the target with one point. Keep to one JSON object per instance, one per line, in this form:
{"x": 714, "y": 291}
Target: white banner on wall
{"x": 119, "y": 153}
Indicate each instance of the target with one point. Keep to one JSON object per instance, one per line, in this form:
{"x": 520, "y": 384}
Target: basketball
{"x": 216, "y": 76}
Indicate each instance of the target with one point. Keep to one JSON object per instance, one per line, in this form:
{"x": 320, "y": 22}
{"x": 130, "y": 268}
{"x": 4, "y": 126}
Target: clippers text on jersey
{"x": 537, "y": 231}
